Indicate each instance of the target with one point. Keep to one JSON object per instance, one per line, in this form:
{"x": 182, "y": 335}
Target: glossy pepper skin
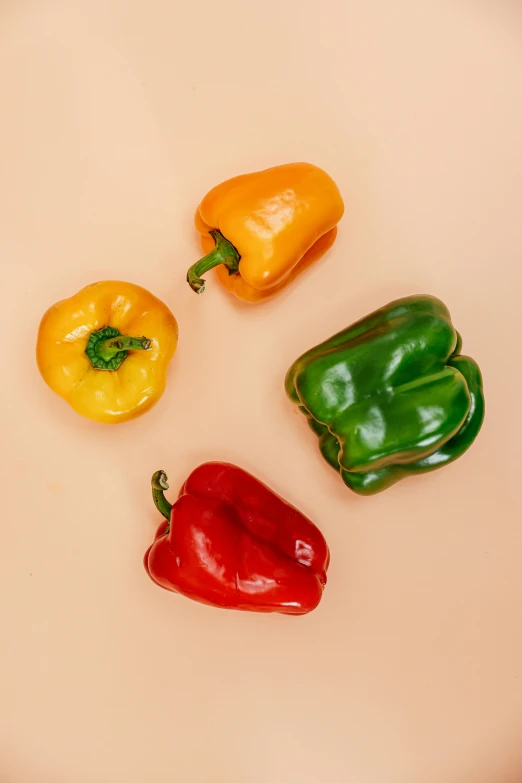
{"x": 390, "y": 396}
{"x": 261, "y": 230}
{"x": 106, "y": 350}
{"x": 230, "y": 542}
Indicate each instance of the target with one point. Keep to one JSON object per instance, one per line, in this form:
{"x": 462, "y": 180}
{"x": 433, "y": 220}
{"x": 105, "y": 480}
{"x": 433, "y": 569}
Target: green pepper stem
{"x": 224, "y": 253}
{"x": 106, "y": 349}
{"x": 159, "y": 483}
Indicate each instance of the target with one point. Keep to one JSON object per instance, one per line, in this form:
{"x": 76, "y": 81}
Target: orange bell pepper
{"x": 261, "y": 230}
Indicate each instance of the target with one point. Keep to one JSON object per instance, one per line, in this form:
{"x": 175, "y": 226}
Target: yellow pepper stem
{"x": 106, "y": 349}
{"x": 224, "y": 253}
{"x": 159, "y": 485}
{"x": 109, "y": 348}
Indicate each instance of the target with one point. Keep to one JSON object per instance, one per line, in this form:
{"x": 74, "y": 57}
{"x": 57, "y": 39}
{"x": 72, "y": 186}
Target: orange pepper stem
{"x": 159, "y": 483}
{"x": 224, "y": 253}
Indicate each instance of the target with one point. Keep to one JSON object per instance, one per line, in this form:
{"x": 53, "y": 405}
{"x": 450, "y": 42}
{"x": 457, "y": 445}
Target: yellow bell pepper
{"x": 261, "y": 230}
{"x": 91, "y": 350}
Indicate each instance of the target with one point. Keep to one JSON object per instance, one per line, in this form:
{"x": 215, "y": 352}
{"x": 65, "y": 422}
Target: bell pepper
{"x": 91, "y": 350}
{"x": 390, "y": 396}
{"x": 261, "y": 230}
{"x": 230, "y": 542}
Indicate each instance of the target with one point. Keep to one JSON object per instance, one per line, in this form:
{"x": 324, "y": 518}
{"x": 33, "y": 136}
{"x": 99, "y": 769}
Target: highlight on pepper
{"x": 260, "y": 230}
{"x": 390, "y": 396}
{"x": 106, "y": 350}
{"x": 230, "y": 542}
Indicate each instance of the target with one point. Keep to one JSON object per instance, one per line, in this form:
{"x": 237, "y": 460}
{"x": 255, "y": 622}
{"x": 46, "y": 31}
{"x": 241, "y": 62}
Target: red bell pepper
{"x": 231, "y": 542}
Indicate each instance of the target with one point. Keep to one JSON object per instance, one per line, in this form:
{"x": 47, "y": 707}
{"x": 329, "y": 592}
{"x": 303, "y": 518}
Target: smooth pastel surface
{"x": 118, "y": 117}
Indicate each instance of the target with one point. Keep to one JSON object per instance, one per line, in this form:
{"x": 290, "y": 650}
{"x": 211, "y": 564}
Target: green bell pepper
{"x": 390, "y": 396}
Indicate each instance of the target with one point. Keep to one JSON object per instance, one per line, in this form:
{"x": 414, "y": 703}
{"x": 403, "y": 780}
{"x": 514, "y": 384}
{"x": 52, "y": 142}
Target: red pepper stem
{"x": 224, "y": 253}
{"x": 159, "y": 484}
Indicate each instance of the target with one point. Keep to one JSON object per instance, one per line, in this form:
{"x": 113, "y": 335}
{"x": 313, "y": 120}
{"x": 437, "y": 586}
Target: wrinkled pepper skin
{"x": 390, "y": 396}
{"x": 106, "y": 350}
{"x": 261, "y": 230}
{"x": 230, "y": 542}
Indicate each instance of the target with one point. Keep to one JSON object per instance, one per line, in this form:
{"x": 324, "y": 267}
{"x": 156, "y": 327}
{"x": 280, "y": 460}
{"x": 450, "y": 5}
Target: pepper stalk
{"x": 159, "y": 483}
{"x": 107, "y": 349}
{"x": 224, "y": 253}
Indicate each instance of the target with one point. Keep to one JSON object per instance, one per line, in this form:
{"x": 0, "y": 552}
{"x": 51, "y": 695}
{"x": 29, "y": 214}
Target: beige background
{"x": 117, "y": 117}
